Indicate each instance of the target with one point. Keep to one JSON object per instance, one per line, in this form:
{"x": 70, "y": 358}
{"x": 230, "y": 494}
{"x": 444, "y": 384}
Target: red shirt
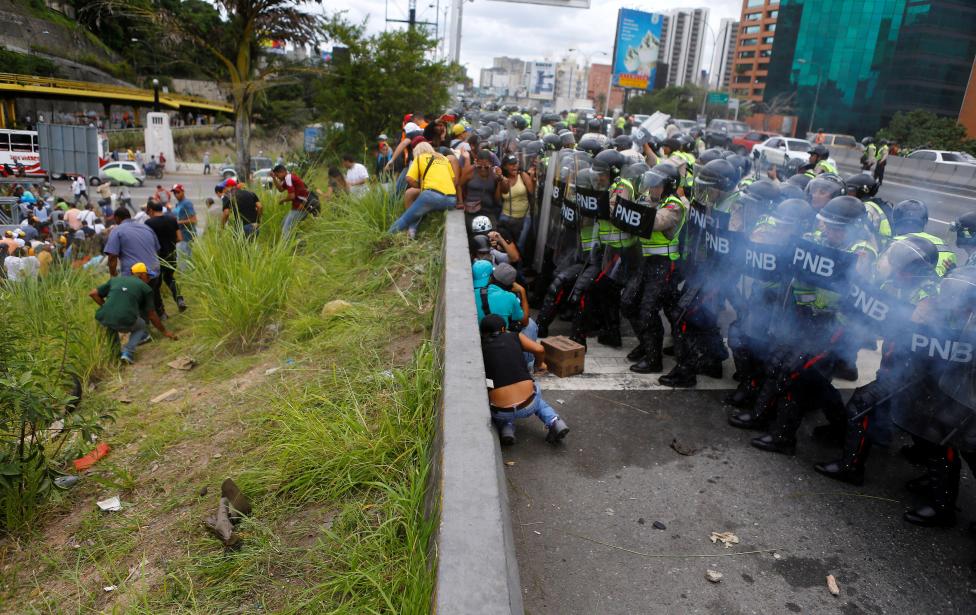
{"x": 298, "y": 190}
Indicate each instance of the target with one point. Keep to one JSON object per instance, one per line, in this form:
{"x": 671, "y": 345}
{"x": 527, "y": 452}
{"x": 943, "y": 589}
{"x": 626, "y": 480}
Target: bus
{"x": 22, "y": 146}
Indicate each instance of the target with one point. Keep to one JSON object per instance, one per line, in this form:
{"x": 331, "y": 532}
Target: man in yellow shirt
{"x": 432, "y": 175}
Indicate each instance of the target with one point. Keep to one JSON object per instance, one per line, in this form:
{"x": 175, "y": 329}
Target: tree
{"x": 380, "y": 79}
{"x": 235, "y": 43}
{"x": 925, "y": 130}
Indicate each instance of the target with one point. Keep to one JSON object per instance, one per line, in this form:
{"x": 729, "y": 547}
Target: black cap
{"x": 491, "y": 324}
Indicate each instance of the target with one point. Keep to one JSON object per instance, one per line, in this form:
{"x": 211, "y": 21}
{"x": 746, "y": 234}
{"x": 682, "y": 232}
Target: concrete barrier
{"x": 474, "y": 546}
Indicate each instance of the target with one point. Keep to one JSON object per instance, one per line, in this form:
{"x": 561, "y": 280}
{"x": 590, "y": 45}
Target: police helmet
{"x": 527, "y": 135}
{"x": 480, "y": 245}
{"x": 483, "y": 133}
{"x": 594, "y": 125}
{"x": 590, "y": 144}
{"x": 910, "y": 257}
{"x": 800, "y": 181}
{"x": 965, "y": 229}
{"x": 609, "y": 159}
{"x": 551, "y": 141}
{"x": 824, "y": 187}
{"x": 763, "y": 192}
{"x": 664, "y": 175}
{"x": 560, "y": 126}
{"x": 884, "y": 141}
{"x": 742, "y": 163}
{"x": 866, "y": 141}
{"x": 820, "y": 151}
{"x": 518, "y": 122}
{"x": 712, "y": 153}
{"x": 567, "y": 140}
{"x": 958, "y": 288}
{"x": 718, "y": 174}
{"x": 550, "y": 118}
{"x": 633, "y": 172}
{"x": 862, "y": 185}
{"x": 623, "y": 142}
{"x": 481, "y": 224}
{"x": 672, "y": 144}
{"x": 790, "y": 191}
{"x": 842, "y": 211}
{"x": 687, "y": 143}
{"x": 795, "y": 212}
{"x": 909, "y": 216}
{"x": 533, "y": 148}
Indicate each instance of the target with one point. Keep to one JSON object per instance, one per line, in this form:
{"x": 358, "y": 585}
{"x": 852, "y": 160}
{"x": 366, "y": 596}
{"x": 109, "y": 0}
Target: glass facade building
{"x": 870, "y": 59}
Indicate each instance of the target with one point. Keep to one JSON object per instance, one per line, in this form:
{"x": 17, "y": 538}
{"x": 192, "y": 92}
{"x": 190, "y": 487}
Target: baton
{"x": 884, "y": 399}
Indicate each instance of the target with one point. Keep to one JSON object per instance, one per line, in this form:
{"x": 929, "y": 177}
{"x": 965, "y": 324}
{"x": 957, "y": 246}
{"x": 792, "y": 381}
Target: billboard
{"x": 541, "y": 80}
{"x": 635, "y": 49}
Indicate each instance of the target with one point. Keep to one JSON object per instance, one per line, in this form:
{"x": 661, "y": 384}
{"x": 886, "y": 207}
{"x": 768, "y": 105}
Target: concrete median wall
{"x": 476, "y": 569}
{"x": 914, "y": 171}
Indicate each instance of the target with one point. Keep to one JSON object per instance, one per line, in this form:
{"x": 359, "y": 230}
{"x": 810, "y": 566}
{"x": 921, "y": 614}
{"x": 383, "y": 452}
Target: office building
{"x": 890, "y": 56}
{"x": 597, "y": 86}
{"x": 682, "y": 42}
{"x": 723, "y": 55}
{"x": 753, "y": 49}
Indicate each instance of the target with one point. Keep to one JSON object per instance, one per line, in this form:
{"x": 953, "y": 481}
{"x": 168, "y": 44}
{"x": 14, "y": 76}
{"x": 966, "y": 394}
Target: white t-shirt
{"x": 357, "y": 173}
{"x": 18, "y": 268}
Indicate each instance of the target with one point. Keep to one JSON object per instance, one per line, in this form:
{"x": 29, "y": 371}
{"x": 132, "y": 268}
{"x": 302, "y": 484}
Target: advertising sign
{"x": 635, "y": 49}
{"x": 542, "y": 80}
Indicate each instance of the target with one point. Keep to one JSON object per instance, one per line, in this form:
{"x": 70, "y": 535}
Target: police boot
{"x": 762, "y": 409}
{"x": 610, "y": 334}
{"x": 850, "y": 468}
{"x": 578, "y": 334}
{"x": 782, "y": 437}
{"x": 712, "y": 369}
{"x": 744, "y": 395}
{"x": 636, "y": 353}
{"x": 680, "y": 377}
{"x": 845, "y": 371}
{"x": 940, "y": 510}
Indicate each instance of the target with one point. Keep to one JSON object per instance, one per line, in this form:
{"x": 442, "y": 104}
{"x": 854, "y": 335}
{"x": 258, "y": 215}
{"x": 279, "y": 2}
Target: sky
{"x": 530, "y": 32}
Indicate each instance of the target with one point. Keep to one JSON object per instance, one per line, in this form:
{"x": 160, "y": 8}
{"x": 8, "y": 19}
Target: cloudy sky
{"x": 530, "y": 32}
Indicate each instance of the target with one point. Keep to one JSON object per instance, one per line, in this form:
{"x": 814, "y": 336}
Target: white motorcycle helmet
{"x": 480, "y": 225}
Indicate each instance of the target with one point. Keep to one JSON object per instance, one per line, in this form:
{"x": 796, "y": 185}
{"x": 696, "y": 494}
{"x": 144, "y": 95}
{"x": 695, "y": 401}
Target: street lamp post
{"x": 816, "y": 96}
{"x": 155, "y": 84}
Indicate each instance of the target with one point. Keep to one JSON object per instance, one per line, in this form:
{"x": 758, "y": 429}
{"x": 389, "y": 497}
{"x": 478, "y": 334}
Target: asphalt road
{"x": 583, "y": 516}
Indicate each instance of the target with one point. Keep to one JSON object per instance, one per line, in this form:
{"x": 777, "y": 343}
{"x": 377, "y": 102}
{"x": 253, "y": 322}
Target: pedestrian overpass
{"x": 14, "y": 86}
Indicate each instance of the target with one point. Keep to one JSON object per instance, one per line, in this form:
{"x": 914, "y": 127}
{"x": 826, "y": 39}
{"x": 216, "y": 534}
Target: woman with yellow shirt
{"x": 433, "y": 175}
{"x": 516, "y": 187}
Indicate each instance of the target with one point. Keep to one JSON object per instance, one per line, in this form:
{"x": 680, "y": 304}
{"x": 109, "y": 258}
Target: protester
{"x": 243, "y": 204}
{"x": 516, "y": 186}
{"x": 431, "y": 176}
{"x": 168, "y": 233}
{"x": 383, "y": 156}
{"x": 302, "y": 200}
{"x": 186, "y": 216}
{"x": 125, "y": 304}
{"x": 206, "y": 163}
{"x": 356, "y": 174}
{"x": 129, "y": 243}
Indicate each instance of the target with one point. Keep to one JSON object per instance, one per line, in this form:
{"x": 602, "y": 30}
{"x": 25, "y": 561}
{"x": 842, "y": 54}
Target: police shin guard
{"x": 850, "y": 467}
{"x": 610, "y": 333}
{"x": 940, "y": 510}
{"x": 782, "y": 436}
{"x": 763, "y": 408}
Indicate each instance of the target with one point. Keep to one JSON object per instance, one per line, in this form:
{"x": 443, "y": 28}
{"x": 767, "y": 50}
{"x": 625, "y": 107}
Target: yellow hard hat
{"x": 139, "y": 268}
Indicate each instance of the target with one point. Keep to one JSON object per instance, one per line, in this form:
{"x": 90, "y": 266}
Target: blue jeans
{"x": 294, "y": 217}
{"x": 137, "y": 332}
{"x": 531, "y": 331}
{"x": 427, "y": 202}
{"x": 400, "y": 186}
{"x": 538, "y": 407}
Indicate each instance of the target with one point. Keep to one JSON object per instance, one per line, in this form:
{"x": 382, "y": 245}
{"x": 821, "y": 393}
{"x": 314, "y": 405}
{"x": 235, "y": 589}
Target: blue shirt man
{"x": 500, "y": 301}
{"x": 185, "y": 214}
{"x": 131, "y": 242}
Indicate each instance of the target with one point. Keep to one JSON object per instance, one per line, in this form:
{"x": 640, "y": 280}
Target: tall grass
{"x": 238, "y": 285}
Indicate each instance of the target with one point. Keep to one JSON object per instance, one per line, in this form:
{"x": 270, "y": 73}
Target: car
{"x": 779, "y": 150}
{"x": 640, "y": 118}
{"x": 263, "y": 178}
{"x": 686, "y": 125}
{"x": 839, "y": 141}
{"x": 720, "y": 133}
{"x": 743, "y": 144}
{"x": 132, "y": 167}
{"x": 257, "y": 163}
{"x": 943, "y": 157}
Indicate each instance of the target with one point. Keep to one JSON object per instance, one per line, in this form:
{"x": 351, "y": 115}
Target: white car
{"x": 126, "y": 165}
{"x": 943, "y": 157}
{"x": 779, "y": 150}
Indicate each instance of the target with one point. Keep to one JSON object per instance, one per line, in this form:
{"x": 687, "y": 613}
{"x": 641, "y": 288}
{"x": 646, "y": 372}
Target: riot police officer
{"x": 863, "y": 186}
{"x": 699, "y": 347}
{"x": 869, "y": 155}
{"x": 819, "y": 161}
{"x": 965, "y": 230}
{"x": 909, "y": 218}
{"x": 654, "y": 285}
{"x": 823, "y": 188}
{"x": 801, "y": 367}
{"x": 906, "y": 272}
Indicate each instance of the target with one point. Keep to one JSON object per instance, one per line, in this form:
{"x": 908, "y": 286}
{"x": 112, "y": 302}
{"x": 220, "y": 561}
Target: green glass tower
{"x": 850, "y": 65}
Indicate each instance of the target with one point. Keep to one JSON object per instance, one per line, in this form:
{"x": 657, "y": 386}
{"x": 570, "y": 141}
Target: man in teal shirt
{"x": 490, "y": 289}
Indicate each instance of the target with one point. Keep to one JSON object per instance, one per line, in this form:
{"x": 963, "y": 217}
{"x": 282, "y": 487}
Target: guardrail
{"x": 918, "y": 171}
{"x": 474, "y": 546}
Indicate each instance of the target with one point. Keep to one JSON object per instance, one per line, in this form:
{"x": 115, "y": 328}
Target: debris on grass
{"x": 334, "y": 307}
{"x": 271, "y": 370}
{"x": 509, "y": 463}
{"x": 110, "y": 588}
{"x": 727, "y": 538}
{"x": 714, "y": 576}
{"x": 83, "y": 463}
{"x": 112, "y": 504}
{"x": 832, "y": 585}
{"x": 167, "y": 396}
{"x": 66, "y": 482}
{"x": 240, "y": 505}
{"x": 220, "y": 526}
{"x": 183, "y": 363}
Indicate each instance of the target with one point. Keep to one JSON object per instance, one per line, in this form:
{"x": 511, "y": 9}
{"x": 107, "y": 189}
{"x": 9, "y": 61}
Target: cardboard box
{"x": 564, "y": 356}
